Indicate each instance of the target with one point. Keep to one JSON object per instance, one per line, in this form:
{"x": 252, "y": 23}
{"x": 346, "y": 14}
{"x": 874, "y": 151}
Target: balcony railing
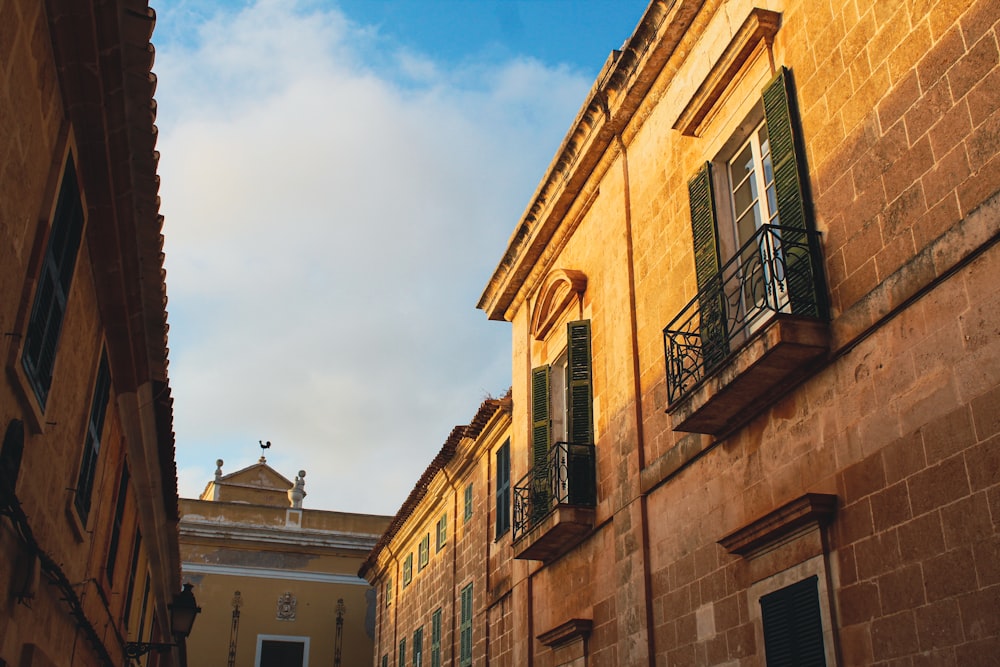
{"x": 776, "y": 271}
{"x": 568, "y": 478}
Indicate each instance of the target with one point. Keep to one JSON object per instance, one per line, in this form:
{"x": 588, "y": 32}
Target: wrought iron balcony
{"x": 775, "y": 277}
{"x": 553, "y": 504}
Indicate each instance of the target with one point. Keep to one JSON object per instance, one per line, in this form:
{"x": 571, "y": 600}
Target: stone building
{"x": 277, "y": 582}
{"x": 447, "y": 550}
{"x": 756, "y": 353}
{"x": 88, "y": 492}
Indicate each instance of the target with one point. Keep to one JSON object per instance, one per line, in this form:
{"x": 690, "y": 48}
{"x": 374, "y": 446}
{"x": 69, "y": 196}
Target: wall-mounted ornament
{"x": 286, "y": 607}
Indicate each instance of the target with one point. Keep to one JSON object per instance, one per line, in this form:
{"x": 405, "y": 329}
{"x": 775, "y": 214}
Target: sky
{"x": 339, "y": 180}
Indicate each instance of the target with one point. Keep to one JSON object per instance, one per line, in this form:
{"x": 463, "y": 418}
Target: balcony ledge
{"x": 563, "y": 528}
{"x": 782, "y": 353}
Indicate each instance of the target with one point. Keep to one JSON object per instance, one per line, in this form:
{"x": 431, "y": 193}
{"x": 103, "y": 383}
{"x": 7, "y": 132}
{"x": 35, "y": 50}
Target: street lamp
{"x": 182, "y": 613}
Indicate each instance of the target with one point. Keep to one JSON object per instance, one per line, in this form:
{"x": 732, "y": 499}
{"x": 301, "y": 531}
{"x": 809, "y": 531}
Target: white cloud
{"x": 330, "y": 223}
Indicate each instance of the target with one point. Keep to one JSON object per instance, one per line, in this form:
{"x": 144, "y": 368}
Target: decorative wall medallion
{"x": 286, "y": 607}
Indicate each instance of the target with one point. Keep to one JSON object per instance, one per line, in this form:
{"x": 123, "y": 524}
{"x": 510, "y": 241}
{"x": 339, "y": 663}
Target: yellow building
{"x": 88, "y": 493}
{"x": 277, "y": 583}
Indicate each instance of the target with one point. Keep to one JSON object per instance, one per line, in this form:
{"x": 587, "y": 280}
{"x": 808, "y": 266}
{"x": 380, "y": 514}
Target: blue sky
{"x": 339, "y": 180}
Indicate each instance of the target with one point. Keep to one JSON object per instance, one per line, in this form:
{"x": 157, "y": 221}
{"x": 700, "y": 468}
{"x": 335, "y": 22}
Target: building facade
{"x": 756, "y": 352}
{"x": 88, "y": 493}
{"x": 278, "y": 583}
{"x": 445, "y": 559}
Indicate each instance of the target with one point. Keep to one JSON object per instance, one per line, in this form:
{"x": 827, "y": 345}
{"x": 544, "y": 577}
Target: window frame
{"x": 424, "y": 552}
{"x": 408, "y": 569}
{"x": 436, "y": 638}
{"x": 788, "y": 277}
{"x": 467, "y": 511}
{"x": 87, "y": 474}
{"x": 418, "y": 647}
{"x": 304, "y": 641}
{"x": 774, "y": 109}
{"x": 814, "y": 566}
{"x": 116, "y": 524}
{"x": 465, "y": 627}
{"x": 43, "y": 330}
{"x": 793, "y": 612}
{"x": 442, "y": 532}
{"x": 130, "y": 589}
{"x": 503, "y": 510}
{"x": 11, "y": 453}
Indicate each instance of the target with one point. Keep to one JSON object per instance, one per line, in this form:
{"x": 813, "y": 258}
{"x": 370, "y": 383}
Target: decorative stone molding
{"x": 760, "y": 25}
{"x": 286, "y": 607}
{"x": 575, "y": 628}
{"x": 561, "y": 288}
{"x": 808, "y": 511}
{"x": 568, "y": 642}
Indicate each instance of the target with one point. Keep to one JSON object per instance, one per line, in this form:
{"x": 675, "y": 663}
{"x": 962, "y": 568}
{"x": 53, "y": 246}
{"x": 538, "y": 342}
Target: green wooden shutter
{"x": 789, "y": 188}
{"x": 503, "y": 490}
{"x": 436, "y": 639}
{"x": 580, "y": 418}
{"x": 714, "y": 340}
{"x": 541, "y": 424}
{"x": 465, "y": 629}
{"x": 793, "y": 627}
{"x": 580, "y": 462}
{"x": 541, "y": 438}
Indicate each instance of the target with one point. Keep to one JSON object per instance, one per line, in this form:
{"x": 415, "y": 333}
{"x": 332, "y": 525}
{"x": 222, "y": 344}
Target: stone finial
{"x": 218, "y": 468}
{"x": 298, "y": 491}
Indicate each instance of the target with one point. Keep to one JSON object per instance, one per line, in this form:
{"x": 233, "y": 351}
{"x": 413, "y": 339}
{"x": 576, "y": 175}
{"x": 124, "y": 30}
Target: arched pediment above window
{"x": 561, "y": 288}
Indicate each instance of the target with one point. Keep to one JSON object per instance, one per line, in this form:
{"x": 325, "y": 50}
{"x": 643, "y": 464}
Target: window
{"x": 465, "y": 629}
{"x": 793, "y": 628}
{"x": 751, "y": 260}
{"x": 418, "y": 647}
{"x": 130, "y": 592}
{"x": 408, "y": 570}
{"x": 468, "y": 503}
{"x": 281, "y": 653}
{"x": 442, "y": 531}
{"x": 562, "y": 417}
{"x": 436, "y": 638}
{"x": 561, "y": 405}
{"x": 92, "y": 444}
{"x": 10, "y": 457}
{"x": 45, "y": 323}
{"x": 402, "y": 652}
{"x": 757, "y": 263}
{"x": 424, "y": 552}
{"x": 142, "y": 610}
{"x": 503, "y": 489}
{"x": 388, "y": 592}
{"x": 116, "y": 526}
{"x": 751, "y": 173}
{"x": 385, "y": 660}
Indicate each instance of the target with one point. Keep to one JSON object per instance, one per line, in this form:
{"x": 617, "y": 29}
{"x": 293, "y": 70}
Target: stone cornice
{"x": 244, "y": 536}
{"x": 272, "y": 573}
{"x": 620, "y": 88}
{"x": 812, "y": 509}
